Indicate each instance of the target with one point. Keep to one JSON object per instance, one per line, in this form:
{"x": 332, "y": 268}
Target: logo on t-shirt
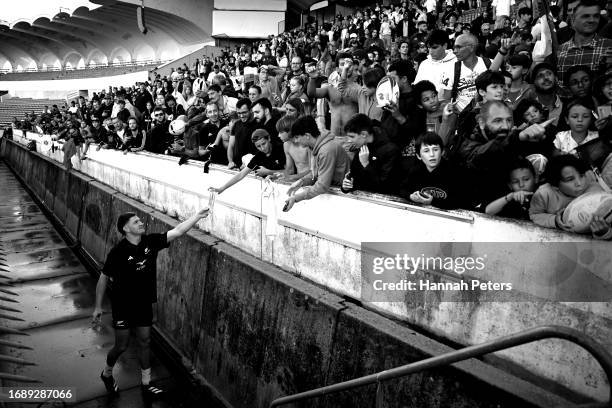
{"x": 434, "y": 192}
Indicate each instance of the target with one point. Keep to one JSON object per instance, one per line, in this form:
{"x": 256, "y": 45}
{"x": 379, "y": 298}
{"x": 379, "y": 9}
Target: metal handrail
{"x": 538, "y": 333}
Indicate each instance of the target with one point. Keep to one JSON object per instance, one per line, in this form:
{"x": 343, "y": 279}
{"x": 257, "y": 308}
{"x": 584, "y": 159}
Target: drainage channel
{"x": 46, "y": 301}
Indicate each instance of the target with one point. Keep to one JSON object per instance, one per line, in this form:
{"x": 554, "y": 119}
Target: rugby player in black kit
{"x": 131, "y": 267}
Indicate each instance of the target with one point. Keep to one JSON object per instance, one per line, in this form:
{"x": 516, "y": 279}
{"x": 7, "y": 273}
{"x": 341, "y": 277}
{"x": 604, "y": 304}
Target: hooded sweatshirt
{"x": 548, "y": 201}
{"x": 329, "y": 164}
{"x": 431, "y": 70}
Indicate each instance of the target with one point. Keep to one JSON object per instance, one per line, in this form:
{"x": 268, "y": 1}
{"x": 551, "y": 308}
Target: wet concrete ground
{"x": 52, "y": 296}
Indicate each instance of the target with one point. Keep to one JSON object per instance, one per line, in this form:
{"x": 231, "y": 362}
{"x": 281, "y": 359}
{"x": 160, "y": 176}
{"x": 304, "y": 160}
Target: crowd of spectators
{"x": 490, "y": 117}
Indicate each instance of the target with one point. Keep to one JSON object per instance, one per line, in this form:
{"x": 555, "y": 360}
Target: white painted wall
{"x": 260, "y": 5}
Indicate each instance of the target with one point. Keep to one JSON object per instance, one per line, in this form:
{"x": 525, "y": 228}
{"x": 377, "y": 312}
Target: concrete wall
{"x": 320, "y": 241}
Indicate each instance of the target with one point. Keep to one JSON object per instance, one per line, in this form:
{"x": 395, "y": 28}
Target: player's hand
{"x": 231, "y": 165}
{"x": 215, "y": 190}
{"x": 364, "y": 156}
{"x": 96, "y": 316}
{"x": 203, "y": 213}
{"x": 262, "y": 171}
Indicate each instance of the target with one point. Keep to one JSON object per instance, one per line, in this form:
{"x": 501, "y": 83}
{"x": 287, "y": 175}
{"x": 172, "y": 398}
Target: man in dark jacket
{"x": 374, "y": 165}
{"x": 494, "y": 145}
{"x": 142, "y": 97}
{"x": 158, "y": 139}
{"x": 399, "y": 121}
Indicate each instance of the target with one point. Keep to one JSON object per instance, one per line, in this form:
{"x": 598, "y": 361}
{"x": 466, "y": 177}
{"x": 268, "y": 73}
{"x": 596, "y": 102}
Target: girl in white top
{"x": 188, "y": 95}
{"x": 579, "y": 118}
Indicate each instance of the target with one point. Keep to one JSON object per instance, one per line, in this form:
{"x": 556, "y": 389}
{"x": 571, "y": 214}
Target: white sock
{"x": 108, "y": 371}
{"x": 146, "y": 376}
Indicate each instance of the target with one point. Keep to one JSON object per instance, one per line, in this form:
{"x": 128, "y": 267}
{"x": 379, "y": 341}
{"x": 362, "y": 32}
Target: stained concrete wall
{"x": 319, "y": 241}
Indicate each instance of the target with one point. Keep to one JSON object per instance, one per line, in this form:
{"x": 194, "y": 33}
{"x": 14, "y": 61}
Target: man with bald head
{"x": 458, "y": 80}
{"x": 494, "y": 144}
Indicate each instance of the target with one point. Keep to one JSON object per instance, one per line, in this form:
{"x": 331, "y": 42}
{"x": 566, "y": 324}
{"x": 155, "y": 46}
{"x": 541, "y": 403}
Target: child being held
{"x": 567, "y": 180}
{"x": 522, "y": 182}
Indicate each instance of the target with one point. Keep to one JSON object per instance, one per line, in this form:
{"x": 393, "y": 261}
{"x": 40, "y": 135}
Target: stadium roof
{"x": 79, "y": 32}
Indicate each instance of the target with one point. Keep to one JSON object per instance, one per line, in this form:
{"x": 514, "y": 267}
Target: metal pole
{"x": 601, "y": 355}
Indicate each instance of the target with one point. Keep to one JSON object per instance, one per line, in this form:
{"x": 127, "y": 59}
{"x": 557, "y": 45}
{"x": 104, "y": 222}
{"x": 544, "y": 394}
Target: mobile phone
{"x": 604, "y": 111}
{"x": 286, "y": 206}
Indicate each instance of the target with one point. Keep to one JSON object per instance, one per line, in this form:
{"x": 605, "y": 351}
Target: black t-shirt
{"x": 243, "y": 144}
{"x": 133, "y": 270}
{"x": 275, "y": 161}
{"x": 208, "y": 132}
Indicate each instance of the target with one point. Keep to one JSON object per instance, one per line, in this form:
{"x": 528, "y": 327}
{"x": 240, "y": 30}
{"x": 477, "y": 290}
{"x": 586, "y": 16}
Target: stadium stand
{"x": 95, "y": 72}
{"x": 16, "y": 107}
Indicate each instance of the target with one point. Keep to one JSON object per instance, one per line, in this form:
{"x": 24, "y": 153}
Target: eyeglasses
{"x": 159, "y": 114}
{"x": 459, "y": 46}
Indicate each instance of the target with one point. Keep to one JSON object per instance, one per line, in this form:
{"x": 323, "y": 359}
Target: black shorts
{"x": 129, "y": 316}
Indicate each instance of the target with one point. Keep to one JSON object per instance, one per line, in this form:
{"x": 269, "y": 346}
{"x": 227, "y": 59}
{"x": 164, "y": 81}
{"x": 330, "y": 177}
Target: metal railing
{"x": 603, "y": 357}
{"x": 118, "y": 64}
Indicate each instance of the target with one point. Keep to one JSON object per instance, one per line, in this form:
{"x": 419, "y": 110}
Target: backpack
{"x": 457, "y": 75}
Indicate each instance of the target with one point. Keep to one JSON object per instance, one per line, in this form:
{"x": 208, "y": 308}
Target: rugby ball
{"x": 387, "y": 91}
{"x": 539, "y": 162}
{"x": 581, "y": 210}
{"x": 334, "y": 79}
{"x": 177, "y": 127}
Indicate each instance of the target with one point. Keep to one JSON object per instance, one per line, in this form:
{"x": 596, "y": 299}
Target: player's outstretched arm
{"x": 186, "y": 225}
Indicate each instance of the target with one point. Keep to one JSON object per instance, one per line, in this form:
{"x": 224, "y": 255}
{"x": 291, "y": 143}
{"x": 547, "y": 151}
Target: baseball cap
{"x": 539, "y": 67}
